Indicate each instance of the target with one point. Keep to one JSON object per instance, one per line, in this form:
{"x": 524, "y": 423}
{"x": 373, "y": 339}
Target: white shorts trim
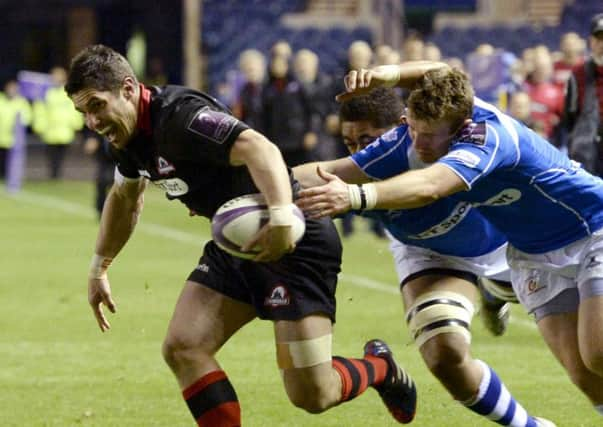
{"x": 413, "y": 259}
{"x": 538, "y": 278}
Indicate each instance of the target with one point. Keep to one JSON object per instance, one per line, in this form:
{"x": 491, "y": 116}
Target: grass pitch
{"x": 57, "y": 369}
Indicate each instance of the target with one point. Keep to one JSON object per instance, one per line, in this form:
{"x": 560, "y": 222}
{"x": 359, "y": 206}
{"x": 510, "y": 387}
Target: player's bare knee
{"x": 445, "y": 353}
{"x": 305, "y": 365}
{"x": 439, "y": 323}
{"x": 312, "y": 399}
{"x": 178, "y": 352}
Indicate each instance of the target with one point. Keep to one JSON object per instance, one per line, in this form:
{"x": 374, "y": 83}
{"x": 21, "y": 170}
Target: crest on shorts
{"x": 164, "y": 167}
{"x": 533, "y": 285}
{"x": 279, "y": 296}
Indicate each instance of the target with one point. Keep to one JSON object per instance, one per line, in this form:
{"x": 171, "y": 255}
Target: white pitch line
{"x": 157, "y": 230}
{"x": 77, "y": 209}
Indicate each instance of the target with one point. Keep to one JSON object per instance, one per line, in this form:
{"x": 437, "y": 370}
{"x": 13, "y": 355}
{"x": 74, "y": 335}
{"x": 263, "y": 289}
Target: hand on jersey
{"x": 329, "y": 199}
{"x": 275, "y": 242}
{"x": 99, "y": 293}
{"x": 360, "y": 82}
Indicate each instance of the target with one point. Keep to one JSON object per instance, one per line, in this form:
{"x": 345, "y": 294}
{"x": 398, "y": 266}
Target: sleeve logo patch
{"x": 473, "y": 133}
{"x": 213, "y": 125}
{"x": 463, "y": 156}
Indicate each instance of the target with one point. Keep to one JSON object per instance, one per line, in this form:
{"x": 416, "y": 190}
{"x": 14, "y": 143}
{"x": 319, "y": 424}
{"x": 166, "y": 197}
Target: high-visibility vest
{"x": 55, "y": 118}
{"x": 10, "y": 109}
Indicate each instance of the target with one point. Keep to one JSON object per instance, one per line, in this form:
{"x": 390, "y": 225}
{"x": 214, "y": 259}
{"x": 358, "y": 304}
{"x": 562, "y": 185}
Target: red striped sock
{"x": 358, "y": 374}
{"x": 213, "y": 401}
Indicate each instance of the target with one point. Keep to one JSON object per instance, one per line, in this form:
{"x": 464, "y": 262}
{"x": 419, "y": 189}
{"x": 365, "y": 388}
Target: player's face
{"x": 110, "y": 114}
{"x": 357, "y": 135}
{"x": 431, "y": 139}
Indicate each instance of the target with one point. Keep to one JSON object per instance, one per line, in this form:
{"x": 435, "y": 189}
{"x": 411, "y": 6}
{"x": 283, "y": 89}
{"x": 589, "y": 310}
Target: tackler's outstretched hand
{"x": 329, "y": 199}
{"x": 360, "y": 82}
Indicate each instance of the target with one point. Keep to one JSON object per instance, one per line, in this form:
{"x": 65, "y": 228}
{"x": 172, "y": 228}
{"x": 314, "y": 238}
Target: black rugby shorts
{"x": 299, "y": 284}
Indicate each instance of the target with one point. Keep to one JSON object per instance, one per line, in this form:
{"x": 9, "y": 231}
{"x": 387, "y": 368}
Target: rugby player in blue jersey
{"x": 439, "y": 252}
{"x": 549, "y": 208}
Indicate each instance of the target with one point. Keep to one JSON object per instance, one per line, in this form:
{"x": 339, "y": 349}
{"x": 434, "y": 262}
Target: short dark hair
{"x": 442, "y": 94}
{"x": 97, "y": 67}
{"x": 381, "y": 107}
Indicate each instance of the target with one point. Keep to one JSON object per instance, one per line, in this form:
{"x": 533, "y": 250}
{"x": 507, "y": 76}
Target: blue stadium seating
{"x": 231, "y": 26}
{"x": 575, "y": 17}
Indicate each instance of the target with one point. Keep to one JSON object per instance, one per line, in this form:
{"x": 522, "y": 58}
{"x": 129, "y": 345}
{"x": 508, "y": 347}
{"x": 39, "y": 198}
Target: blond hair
{"x": 442, "y": 94}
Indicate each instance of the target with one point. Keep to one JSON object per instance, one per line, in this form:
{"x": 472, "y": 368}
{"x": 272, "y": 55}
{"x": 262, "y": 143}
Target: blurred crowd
{"x": 285, "y": 95}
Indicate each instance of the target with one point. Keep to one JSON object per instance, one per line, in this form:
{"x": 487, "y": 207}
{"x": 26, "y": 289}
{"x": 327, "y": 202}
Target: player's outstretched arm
{"x": 120, "y": 215}
{"x": 409, "y": 190}
{"x": 269, "y": 173}
{"x": 405, "y": 75}
{"x": 344, "y": 168}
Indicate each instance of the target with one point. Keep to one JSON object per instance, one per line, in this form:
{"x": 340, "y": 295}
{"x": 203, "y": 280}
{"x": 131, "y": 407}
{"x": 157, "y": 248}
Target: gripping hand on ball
{"x": 275, "y": 241}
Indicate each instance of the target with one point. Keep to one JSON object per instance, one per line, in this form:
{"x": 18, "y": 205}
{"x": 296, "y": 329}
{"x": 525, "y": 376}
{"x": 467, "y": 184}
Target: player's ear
{"x": 129, "y": 87}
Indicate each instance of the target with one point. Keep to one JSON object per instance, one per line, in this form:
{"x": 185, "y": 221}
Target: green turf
{"x": 57, "y": 369}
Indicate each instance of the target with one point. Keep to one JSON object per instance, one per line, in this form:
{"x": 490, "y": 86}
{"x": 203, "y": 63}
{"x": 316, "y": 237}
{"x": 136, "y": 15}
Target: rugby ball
{"x": 239, "y": 219}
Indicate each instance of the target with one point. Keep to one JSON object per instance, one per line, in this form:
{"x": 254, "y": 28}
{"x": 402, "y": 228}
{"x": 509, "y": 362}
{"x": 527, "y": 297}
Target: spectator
{"x": 12, "y": 107}
{"x": 583, "y": 116}
{"x": 248, "y": 108}
{"x": 547, "y": 97}
{"x": 455, "y": 62}
{"x": 382, "y": 54}
{"x": 281, "y": 48}
{"x": 56, "y": 121}
{"x": 315, "y": 86}
{"x": 95, "y": 145}
{"x": 287, "y": 114}
{"x": 412, "y": 48}
{"x": 520, "y": 109}
{"x": 572, "y": 49}
{"x": 431, "y": 52}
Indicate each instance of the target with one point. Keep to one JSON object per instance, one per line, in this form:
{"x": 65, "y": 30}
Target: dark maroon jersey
{"x": 186, "y": 150}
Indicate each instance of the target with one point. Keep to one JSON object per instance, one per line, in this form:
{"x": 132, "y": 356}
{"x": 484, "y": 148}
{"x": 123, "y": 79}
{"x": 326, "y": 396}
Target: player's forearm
{"x": 344, "y": 168}
{"x": 269, "y": 173}
{"x": 413, "y": 189}
{"x": 119, "y": 218}
{"x": 407, "y": 191}
{"x": 412, "y": 71}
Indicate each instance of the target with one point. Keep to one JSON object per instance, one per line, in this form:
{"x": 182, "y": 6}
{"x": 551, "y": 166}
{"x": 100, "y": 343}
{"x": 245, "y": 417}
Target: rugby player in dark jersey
{"x": 190, "y": 145}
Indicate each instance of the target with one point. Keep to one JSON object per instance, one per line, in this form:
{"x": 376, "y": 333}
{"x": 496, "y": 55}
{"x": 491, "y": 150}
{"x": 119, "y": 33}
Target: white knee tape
{"x": 440, "y": 312}
{"x": 304, "y": 353}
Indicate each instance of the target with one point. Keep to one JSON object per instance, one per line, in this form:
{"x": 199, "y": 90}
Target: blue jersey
{"x": 448, "y": 226}
{"x": 529, "y": 190}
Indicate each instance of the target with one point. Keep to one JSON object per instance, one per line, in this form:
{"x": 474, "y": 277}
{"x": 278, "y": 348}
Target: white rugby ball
{"x": 239, "y": 219}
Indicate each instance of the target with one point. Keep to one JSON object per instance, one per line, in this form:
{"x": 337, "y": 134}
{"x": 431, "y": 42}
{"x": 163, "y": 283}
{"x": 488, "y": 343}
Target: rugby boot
{"x": 494, "y": 312}
{"x": 398, "y": 390}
